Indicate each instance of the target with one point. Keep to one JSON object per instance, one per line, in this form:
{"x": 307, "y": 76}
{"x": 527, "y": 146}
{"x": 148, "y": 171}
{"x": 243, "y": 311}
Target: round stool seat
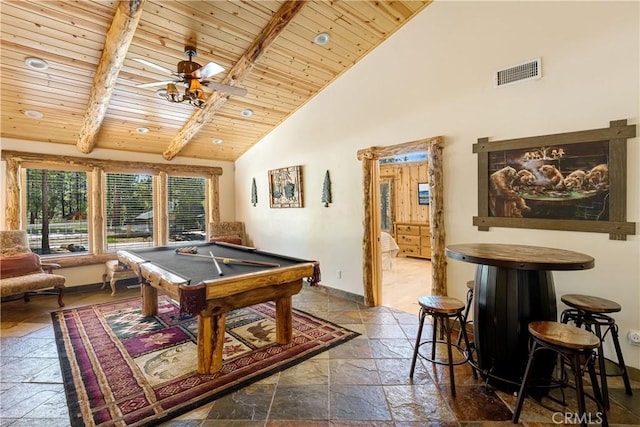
{"x": 563, "y": 335}
{"x": 574, "y": 346}
{"x": 441, "y": 304}
{"x": 590, "y": 303}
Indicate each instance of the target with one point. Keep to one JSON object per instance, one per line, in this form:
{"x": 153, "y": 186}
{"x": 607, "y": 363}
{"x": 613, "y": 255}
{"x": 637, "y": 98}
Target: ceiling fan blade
{"x": 152, "y": 65}
{"x": 152, "y": 84}
{"x": 231, "y": 90}
{"x": 206, "y": 71}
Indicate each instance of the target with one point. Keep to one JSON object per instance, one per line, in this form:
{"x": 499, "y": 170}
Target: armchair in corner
{"x": 22, "y": 272}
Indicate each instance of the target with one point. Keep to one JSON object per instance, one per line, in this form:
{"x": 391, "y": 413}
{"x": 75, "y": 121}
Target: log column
{"x": 436, "y": 218}
{"x": 12, "y": 218}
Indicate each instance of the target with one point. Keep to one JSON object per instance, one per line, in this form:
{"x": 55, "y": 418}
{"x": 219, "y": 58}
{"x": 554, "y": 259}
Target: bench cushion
{"x": 30, "y": 282}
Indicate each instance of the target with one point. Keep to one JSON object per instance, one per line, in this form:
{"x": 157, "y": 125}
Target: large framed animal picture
{"x": 574, "y": 181}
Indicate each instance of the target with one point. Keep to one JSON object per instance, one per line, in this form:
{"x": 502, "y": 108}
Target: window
{"x": 56, "y": 211}
{"x": 128, "y": 210}
{"x": 186, "y": 209}
{"x": 79, "y": 210}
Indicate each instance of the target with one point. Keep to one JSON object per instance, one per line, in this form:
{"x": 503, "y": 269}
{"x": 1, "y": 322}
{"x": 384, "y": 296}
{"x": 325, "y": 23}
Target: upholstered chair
{"x": 22, "y": 272}
{"x": 228, "y": 231}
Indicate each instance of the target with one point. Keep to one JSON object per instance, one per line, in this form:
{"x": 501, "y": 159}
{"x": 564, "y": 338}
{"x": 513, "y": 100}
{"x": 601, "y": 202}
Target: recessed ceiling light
{"x": 247, "y": 112}
{"x": 162, "y": 93}
{"x": 33, "y": 114}
{"x": 36, "y": 63}
{"x": 321, "y": 39}
{"x": 142, "y": 130}
{"x": 217, "y": 141}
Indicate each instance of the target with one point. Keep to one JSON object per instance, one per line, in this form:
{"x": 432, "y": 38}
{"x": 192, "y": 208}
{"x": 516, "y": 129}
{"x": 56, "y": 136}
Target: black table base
{"x": 506, "y": 300}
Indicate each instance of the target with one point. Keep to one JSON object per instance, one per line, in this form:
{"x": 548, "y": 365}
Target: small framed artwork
{"x": 285, "y": 187}
{"x": 423, "y": 193}
{"x": 568, "y": 181}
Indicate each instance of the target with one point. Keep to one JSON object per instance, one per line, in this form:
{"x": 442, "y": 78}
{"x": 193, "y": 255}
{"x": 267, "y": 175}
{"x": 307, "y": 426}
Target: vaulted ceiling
{"x": 88, "y": 95}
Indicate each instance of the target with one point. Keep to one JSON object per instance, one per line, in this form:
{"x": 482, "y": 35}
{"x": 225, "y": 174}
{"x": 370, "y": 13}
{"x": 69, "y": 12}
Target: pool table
{"x": 246, "y": 276}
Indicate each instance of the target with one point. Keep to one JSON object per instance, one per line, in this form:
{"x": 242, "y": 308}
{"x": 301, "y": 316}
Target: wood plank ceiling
{"x": 71, "y": 38}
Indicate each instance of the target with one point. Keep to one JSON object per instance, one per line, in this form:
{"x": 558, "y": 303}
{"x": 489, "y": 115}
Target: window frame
{"x": 96, "y": 169}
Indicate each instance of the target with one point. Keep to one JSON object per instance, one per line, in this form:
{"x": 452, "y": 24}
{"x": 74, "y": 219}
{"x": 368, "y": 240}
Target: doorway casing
{"x": 371, "y": 252}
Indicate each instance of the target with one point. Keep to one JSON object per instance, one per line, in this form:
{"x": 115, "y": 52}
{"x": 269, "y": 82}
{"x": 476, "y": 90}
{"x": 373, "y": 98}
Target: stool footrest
{"x": 465, "y": 356}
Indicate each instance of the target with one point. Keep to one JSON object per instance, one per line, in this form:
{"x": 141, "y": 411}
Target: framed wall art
{"x": 285, "y": 187}
{"x": 573, "y": 181}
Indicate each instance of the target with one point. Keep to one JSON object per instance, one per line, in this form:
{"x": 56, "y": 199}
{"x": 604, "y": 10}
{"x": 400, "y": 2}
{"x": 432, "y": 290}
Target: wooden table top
{"x": 521, "y": 257}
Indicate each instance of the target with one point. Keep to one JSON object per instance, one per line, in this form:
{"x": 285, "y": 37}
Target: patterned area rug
{"x": 123, "y": 369}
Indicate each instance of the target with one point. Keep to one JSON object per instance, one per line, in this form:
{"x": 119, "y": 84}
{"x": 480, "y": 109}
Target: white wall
{"x": 434, "y": 77}
{"x": 93, "y": 273}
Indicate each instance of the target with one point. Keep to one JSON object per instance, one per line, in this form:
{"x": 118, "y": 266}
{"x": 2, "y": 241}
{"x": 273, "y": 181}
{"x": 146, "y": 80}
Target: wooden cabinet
{"x": 414, "y": 239}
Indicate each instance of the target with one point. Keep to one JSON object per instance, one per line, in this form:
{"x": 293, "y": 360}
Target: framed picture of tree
{"x": 285, "y": 187}
{"x": 574, "y": 181}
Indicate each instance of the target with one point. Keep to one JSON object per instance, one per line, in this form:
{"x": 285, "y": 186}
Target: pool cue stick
{"x": 215, "y": 261}
{"x": 248, "y": 262}
{"x": 234, "y": 260}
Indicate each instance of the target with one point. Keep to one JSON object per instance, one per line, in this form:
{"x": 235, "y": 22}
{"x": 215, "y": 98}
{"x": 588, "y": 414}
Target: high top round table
{"x": 513, "y": 287}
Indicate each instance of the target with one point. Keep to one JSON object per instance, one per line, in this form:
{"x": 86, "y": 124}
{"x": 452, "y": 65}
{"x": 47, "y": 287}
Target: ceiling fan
{"x": 193, "y": 76}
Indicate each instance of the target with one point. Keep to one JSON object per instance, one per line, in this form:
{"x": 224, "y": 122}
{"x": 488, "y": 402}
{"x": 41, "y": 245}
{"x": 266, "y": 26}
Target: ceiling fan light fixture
{"x": 36, "y": 63}
{"x": 195, "y": 89}
{"x": 199, "y": 101}
{"x": 246, "y": 112}
{"x": 321, "y": 39}
{"x": 172, "y": 94}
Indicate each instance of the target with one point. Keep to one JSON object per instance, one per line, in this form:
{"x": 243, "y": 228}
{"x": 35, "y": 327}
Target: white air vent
{"x": 519, "y": 73}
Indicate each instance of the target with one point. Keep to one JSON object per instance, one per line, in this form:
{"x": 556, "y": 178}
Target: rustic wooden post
{"x": 436, "y": 218}
{"x": 160, "y": 209}
{"x": 215, "y": 199}
{"x": 12, "y": 218}
{"x": 370, "y": 233}
{"x": 97, "y": 239}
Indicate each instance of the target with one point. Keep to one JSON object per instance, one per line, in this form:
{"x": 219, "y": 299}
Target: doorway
{"x": 404, "y": 231}
{"x": 372, "y": 266}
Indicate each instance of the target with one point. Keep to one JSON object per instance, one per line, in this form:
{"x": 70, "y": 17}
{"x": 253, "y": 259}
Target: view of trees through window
{"x": 57, "y": 203}
{"x": 56, "y": 211}
{"x": 186, "y": 209}
{"x": 129, "y": 210}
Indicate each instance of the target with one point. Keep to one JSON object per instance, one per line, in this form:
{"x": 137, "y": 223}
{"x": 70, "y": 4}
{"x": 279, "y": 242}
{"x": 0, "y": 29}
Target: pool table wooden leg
{"x": 284, "y": 320}
{"x": 210, "y": 342}
{"x": 149, "y": 299}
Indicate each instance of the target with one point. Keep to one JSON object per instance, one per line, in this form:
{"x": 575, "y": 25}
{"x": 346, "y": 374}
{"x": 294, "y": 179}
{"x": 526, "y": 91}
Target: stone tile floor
{"x": 363, "y": 382}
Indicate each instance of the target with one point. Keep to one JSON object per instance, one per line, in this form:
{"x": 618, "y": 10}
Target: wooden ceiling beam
{"x": 238, "y": 72}
{"x": 119, "y": 37}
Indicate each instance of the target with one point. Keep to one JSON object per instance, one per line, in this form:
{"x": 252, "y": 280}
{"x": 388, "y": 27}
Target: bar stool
{"x": 465, "y": 316}
{"x": 441, "y": 309}
{"x": 576, "y": 347}
{"x": 590, "y": 312}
